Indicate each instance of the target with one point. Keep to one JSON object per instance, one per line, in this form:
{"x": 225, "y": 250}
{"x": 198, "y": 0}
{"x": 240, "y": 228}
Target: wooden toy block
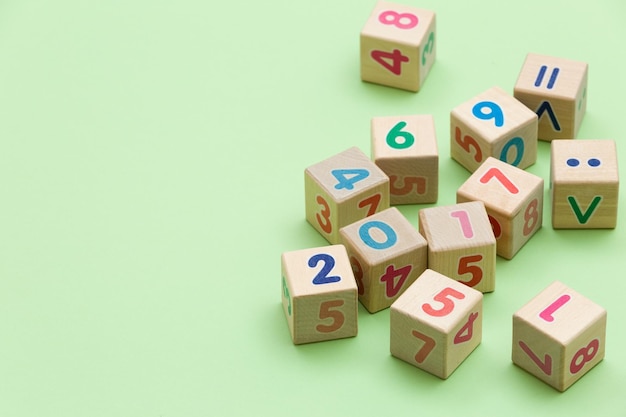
{"x": 343, "y": 189}
{"x": 461, "y": 243}
{"x": 405, "y": 148}
{"x": 513, "y": 199}
{"x": 387, "y": 255}
{"x": 319, "y": 294}
{"x": 559, "y": 336}
{"x": 436, "y": 323}
{"x": 555, "y": 89}
{"x": 584, "y": 184}
{"x": 495, "y": 124}
{"x": 397, "y": 46}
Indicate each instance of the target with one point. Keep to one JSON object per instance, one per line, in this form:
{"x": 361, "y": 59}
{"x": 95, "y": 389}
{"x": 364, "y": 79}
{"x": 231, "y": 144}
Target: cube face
{"x": 436, "y": 323}
{"x": 556, "y": 90}
{"x": 387, "y": 255}
{"x": 584, "y": 184}
{"x": 343, "y": 189}
{"x": 319, "y": 294}
{"x": 494, "y": 124}
{"x": 513, "y": 199}
{"x": 405, "y": 148}
{"x": 397, "y": 46}
{"x": 559, "y": 336}
{"x": 461, "y": 243}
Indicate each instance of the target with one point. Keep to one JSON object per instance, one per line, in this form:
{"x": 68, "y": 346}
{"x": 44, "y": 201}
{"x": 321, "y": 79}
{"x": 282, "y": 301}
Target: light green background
{"x": 151, "y": 174}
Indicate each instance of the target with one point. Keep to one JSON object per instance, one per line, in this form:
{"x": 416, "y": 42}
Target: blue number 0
{"x": 519, "y": 145}
{"x": 366, "y": 237}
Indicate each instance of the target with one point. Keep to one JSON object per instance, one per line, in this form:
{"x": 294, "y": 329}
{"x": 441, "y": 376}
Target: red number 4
{"x": 390, "y": 60}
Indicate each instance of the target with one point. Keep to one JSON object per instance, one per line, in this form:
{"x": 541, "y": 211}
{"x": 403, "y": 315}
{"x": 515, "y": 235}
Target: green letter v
{"x": 584, "y": 217}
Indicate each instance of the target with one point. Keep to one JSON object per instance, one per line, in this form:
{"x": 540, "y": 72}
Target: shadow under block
{"x": 397, "y": 46}
{"x": 584, "y": 184}
{"x": 559, "y": 336}
{"x": 494, "y": 123}
{"x": 319, "y": 294}
{"x": 461, "y": 243}
{"x": 513, "y": 199}
{"x": 436, "y": 323}
{"x": 387, "y": 255}
{"x": 556, "y": 90}
{"x": 343, "y": 189}
{"x": 405, "y": 148}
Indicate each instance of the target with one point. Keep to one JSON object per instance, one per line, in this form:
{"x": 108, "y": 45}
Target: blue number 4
{"x": 346, "y": 178}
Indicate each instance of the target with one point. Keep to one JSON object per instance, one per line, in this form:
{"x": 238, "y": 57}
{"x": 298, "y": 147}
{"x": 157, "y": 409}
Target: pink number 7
{"x": 499, "y": 175}
{"x": 545, "y": 366}
{"x": 558, "y": 303}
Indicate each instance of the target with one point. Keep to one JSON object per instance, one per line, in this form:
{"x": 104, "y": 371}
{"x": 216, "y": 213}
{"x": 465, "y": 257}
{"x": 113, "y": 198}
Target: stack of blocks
{"x": 433, "y": 279}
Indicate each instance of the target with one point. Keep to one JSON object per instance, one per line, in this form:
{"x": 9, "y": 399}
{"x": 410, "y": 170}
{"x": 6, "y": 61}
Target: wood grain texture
{"x": 513, "y": 199}
{"x": 473, "y": 139}
{"x": 556, "y": 89}
{"x": 412, "y": 37}
{"x": 461, "y": 243}
{"x": 559, "y": 335}
{"x": 584, "y": 184}
{"x": 319, "y": 294}
{"x": 405, "y": 148}
{"x": 391, "y": 264}
{"x": 436, "y": 323}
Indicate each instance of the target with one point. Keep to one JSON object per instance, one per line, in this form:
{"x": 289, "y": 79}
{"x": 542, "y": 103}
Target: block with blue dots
{"x": 584, "y": 183}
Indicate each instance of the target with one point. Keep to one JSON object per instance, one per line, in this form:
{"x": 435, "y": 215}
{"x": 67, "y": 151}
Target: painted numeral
{"x": 545, "y": 365}
{"x": 346, "y": 178}
{"x": 390, "y": 60}
{"x": 494, "y": 172}
{"x": 399, "y": 20}
{"x": 328, "y": 310}
{"x": 429, "y": 47}
{"x": 531, "y": 217}
{"x": 466, "y": 332}
{"x": 467, "y": 143}
{"x": 429, "y": 345}
{"x": 287, "y": 295}
{"x": 494, "y": 112}
{"x": 323, "y": 217}
{"x": 445, "y": 297}
{"x": 408, "y": 184}
{"x": 584, "y": 355}
{"x": 495, "y": 226}
{"x": 547, "y": 313}
{"x": 357, "y": 270}
{"x": 371, "y": 202}
{"x": 518, "y": 144}
{"x": 393, "y": 286}
{"x": 328, "y": 263}
{"x": 390, "y": 235}
{"x": 464, "y": 222}
{"x": 398, "y": 138}
{"x": 475, "y": 270}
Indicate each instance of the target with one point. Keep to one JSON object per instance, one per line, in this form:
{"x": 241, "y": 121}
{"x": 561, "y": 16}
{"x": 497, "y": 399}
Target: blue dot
{"x": 573, "y": 162}
{"x": 593, "y": 162}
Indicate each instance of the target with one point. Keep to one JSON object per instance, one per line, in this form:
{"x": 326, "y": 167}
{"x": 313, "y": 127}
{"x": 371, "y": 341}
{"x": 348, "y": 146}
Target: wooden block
{"x": 495, "y": 124}
{"x": 461, "y": 243}
{"x": 387, "y": 255}
{"x": 559, "y": 336}
{"x": 398, "y": 46}
{"x": 319, "y": 294}
{"x": 405, "y": 148}
{"x": 555, "y": 89}
{"x": 343, "y": 189}
{"x": 436, "y": 323}
{"x": 584, "y": 184}
{"x": 513, "y": 199}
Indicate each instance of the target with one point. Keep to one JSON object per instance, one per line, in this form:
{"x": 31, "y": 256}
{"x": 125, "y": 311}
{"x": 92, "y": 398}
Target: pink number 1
{"x": 558, "y": 303}
{"x": 464, "y": 220}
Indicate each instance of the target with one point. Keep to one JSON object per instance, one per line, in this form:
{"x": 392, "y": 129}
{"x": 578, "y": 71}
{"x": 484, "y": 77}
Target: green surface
{"x": 151, "y": 173}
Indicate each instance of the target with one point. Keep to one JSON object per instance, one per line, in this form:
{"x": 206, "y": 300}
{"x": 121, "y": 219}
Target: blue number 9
{"x": 493, "y": 112}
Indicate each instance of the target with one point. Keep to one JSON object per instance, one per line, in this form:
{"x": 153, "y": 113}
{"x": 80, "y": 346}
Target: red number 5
{"x": 445, "y": 298}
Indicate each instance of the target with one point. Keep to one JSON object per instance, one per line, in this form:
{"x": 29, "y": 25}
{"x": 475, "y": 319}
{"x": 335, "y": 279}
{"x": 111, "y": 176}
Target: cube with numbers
{"x": 555, "y": 89}
{"x": 493, "y": 123}
{"x": 436, "y": 323}
{"x": 584, "y": 184}
{"x": 513, "y": 199}
{"x": 387, "y": 255}
{"x": 461, "y": 243}
{"x": 343, "y": 189}
{"x": 405, "y": 148}
{"x": 559, "y": 336}
{"x": 319, "y": 294}
{"x": 397, "y": 46}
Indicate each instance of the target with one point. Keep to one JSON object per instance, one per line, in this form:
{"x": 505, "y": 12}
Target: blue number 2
{"x": 494, "y": 112}
{"x": 322, "y": 276}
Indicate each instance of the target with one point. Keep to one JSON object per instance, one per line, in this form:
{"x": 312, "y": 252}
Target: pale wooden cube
{"x": 555, "y": 89}
{"x": 584, "y": 184}
{"x": 405, "y": 148}
{"x": 436, "y": 323}
{"x": 387, "y": 255}
{"x": 398, "y": 46}
{"x": 559, "y": 336}
{"x": 513, "y": 199}
{"x": 343, "y": 189}
{"x": 319, "y": 294}
{"x": 495, "y": 124}
{"x": 461, "y": 243}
